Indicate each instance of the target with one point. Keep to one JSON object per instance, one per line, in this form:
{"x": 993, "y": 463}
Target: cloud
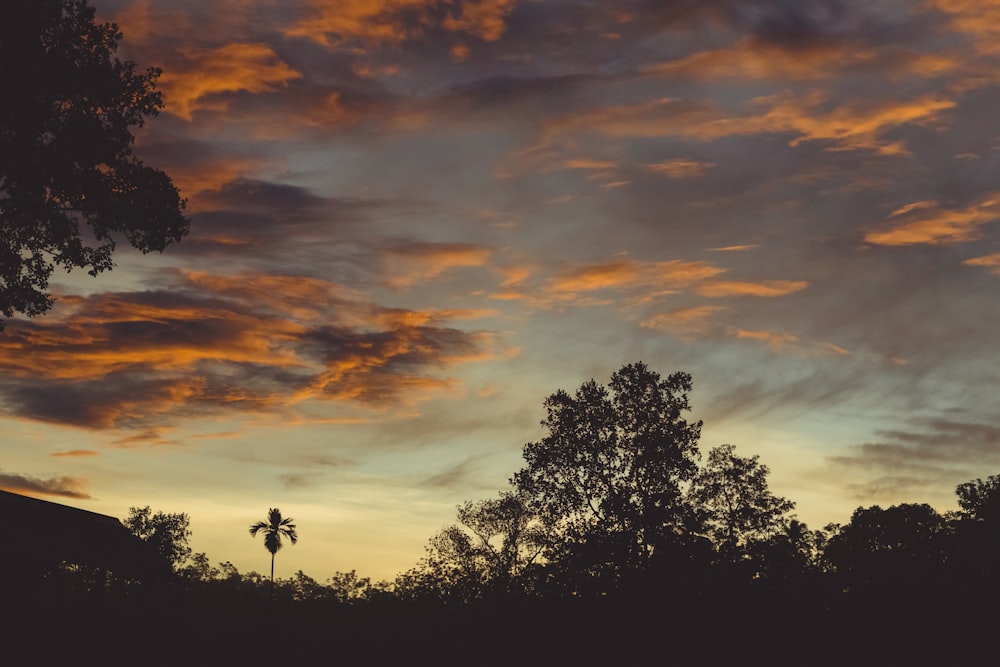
{"x": 458, "y": 476}
{"x": 65, "y": 487}
{"x": 629, "y": 273}
{"x": 925, "y": 222}
{"x": 735, "y": 248}
{"x": 844, "y": 127}
{"x": 75, "y": 453}
{"x": 979, "y": 19}
{"x": 332, "y": 23}
{"x": 754, "y": 58}
{"x": 225, "y": 344}
{"x": 847, "y": 126}
{"x": 930, "y": 452}
{"x": 407, "y": 264}
{"x": 680, "y": 168}
{"x": 992, "y": 262}
{"x": 267, "y": 226}
{"x": 484, "y": 19}
{"x": 765, "y": 288}
{"x": 209, "y": 74}
{"x": 684, "y": 322}
{"x": 774, "y": 339}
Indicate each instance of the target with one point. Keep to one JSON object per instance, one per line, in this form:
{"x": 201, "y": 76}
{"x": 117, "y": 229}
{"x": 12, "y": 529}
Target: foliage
{"x": 507, "y": 537}
{"x": 348, "y": 588}
{"x": 198, "y": 568}
{"x": 895, "y": 547}
{"x": 790, "y": 557}
{"x": 167, "y": 533}
{"x": 66, "y": 159}
{"x": 980, "y": 499}
{"x": 275, "y": 529}
{"x": 738, "y": 507}
{"x": 607, "y": 476}
{"x": 490, "y": 551}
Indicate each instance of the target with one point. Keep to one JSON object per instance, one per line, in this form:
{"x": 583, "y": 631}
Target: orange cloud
{"x": 656, "y": 118}
{"x": 253, "y": 68}
{"x": 215, "y": 344}
{"x": 684, "y": 322}
{"x": 65, "y": 487}
{"x": 193, "y": 179}
{"x": 757, "y": 59}
{"x": 485, "y": 19}
{"x": 586, "y": 163}
{"x": 115, "y": 334}
{"x": 332, "y": 22}
{"x": 649, "y": 277}
{"x": 73, "y": 453}
{"x": 513, "y": 284}
{"x": 754, "y": 59}
{"x": 980, "y": 19}
{"x": 598, "y": 276}
{"x": 928, "y": 223}
{"x": 408, "y": 265}
{"x": 766, "y": 288}
{"x": 680, "y": 168}
{"x": 992, "y": 262}
{"x": 848, "y": 127}
{"x": 773, "y": 339}
{"x": 735, "y": 248}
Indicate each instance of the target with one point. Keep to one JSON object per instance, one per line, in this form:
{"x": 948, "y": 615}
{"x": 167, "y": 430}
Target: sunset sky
{"x": 412, "y": 220}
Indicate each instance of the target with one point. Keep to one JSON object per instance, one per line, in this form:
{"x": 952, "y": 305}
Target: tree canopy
{"x": 167, "y": 533}
{"x": 980, "y": 499}
{"x": 733, "y": 494}
{"x": 607, "y": 476}
{"x": 70, "y": 184}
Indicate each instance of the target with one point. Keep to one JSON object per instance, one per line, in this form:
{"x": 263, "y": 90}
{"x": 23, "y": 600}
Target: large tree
{"x": 732, "y": 494}
{"x": 980, "y": 500}
{"x": 168, "y": 533}
{"x": 70, "y": 184}
{"x": 495, "y": 543}
{"x": 902, "y": 547}
{"x": 607, "y": 476}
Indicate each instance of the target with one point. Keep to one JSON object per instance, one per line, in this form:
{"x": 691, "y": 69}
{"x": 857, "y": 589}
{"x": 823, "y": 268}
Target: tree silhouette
{"x": 496, "y": 541}
{"x": 66, "y": 159}
{"x": 274, "y": 529}
{"x": 980, "y": 500}
{"x": 894, "y": 549}
{"x": 167, "y": 533}
{"x": 607, "y": 475}
{"x": 732, "y": 493}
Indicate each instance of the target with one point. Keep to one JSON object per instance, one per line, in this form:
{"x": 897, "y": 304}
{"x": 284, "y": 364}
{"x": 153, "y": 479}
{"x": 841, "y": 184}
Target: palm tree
{"x": 274, "y": 529}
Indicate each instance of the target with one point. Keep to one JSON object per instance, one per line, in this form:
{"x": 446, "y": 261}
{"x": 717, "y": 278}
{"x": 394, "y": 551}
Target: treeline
{"x": 616, "y": 499}
{"x": 616, "y": 522}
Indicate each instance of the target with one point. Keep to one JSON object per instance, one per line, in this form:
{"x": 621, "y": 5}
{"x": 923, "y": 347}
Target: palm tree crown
{"x": 274, "y": 529}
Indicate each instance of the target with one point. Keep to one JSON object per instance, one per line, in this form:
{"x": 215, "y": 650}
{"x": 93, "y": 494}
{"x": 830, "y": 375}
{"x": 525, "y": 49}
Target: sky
{"x": 413, "y": 220}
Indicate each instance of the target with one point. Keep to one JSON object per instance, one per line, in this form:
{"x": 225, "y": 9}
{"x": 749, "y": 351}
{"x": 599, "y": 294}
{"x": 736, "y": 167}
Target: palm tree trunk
{"x": 272, "y": 577}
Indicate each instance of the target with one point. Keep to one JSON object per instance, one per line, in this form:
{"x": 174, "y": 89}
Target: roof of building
{"x": 43, "y": 534}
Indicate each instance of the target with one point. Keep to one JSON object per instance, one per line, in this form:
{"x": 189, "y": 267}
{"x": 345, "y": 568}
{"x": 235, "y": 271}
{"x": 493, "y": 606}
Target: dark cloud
{"x": 553, "y": 93}
{"x": 216, "y": 345}
{"x": 932, "y": 453}
{"x": 456, "y": 476}
{"x": 299, "y": 480}
{"x": 65, "y": 487}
